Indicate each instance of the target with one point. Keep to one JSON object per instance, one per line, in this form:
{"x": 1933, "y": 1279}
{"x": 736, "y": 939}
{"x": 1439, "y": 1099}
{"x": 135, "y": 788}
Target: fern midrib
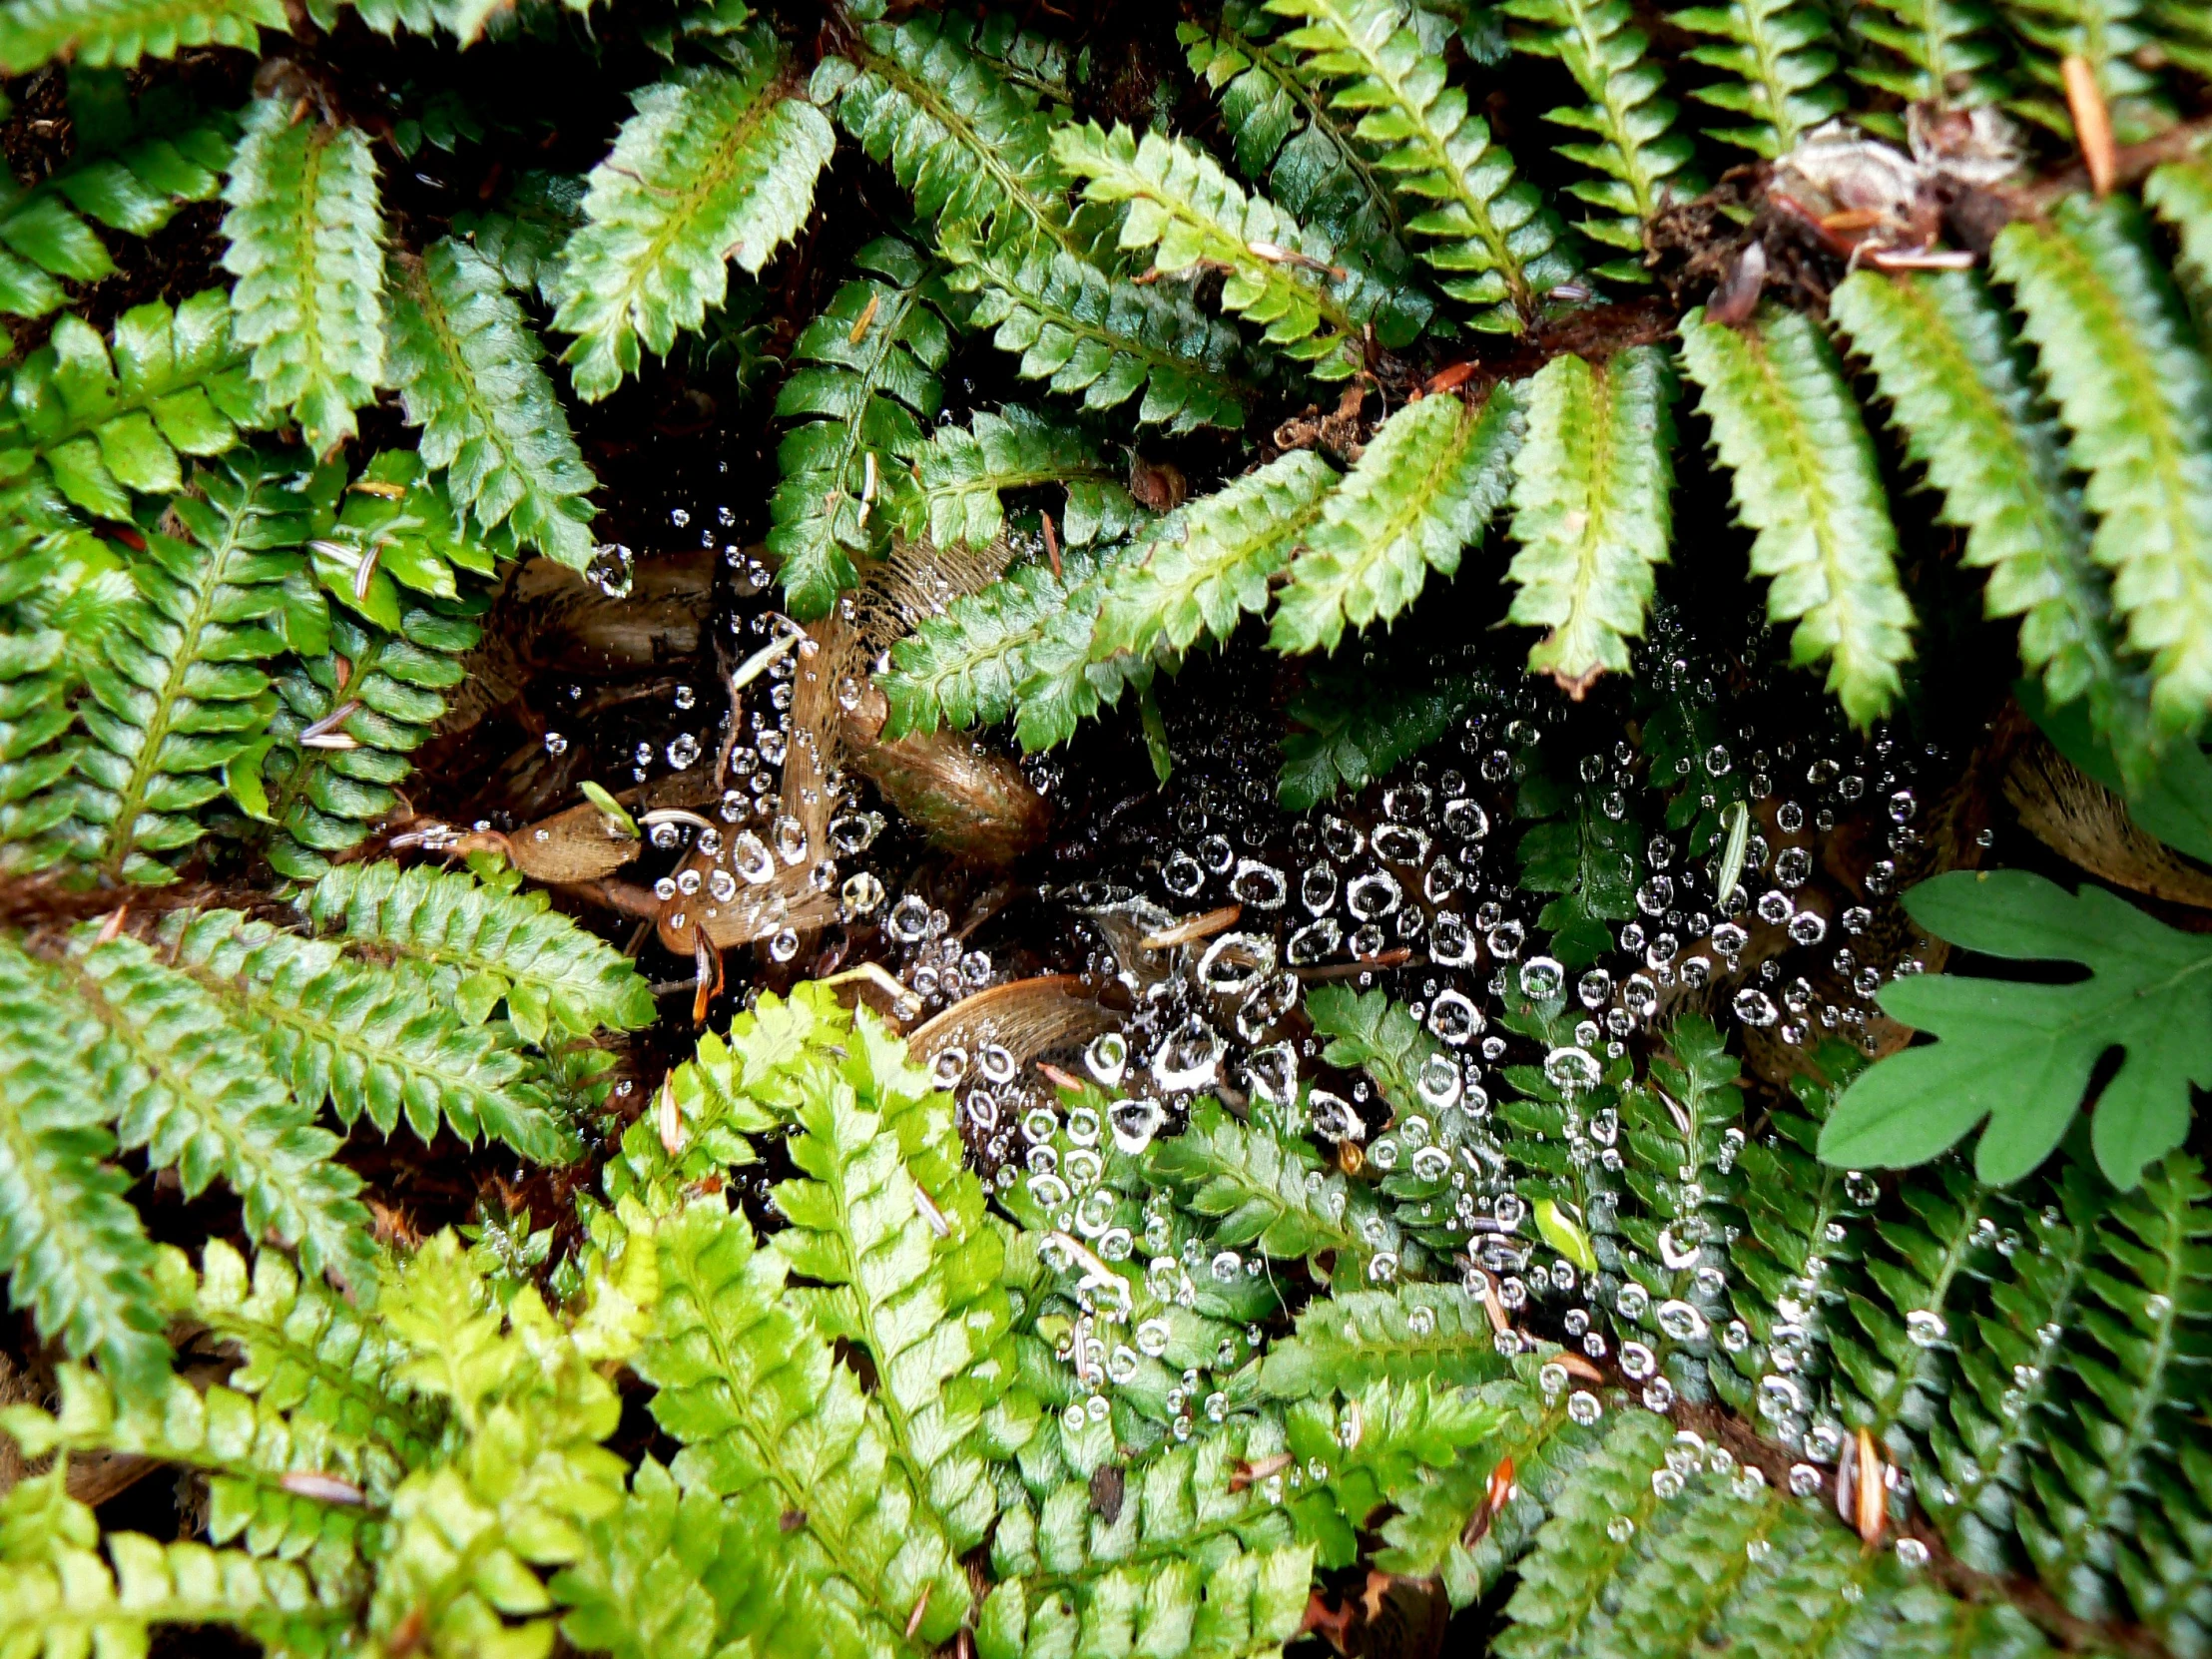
{"x": 1377, "y": 193}
{"x": 793, "y": 1488}
{"x": 312, "y": 763}
{"x": 306, "y": 254}
{"x": 1436, "y": 149}
{"x": 1606, "y": 94}
{"x": 1276, "y": 541}
{"x": 1410, "y": 511}
{"x": 1011, "y": 185}
{"x": 1597, "y": 499}
{"x": 2121, "y": 1470}
{"x": 144, "y": 765}
{"x": 883, "y": 333}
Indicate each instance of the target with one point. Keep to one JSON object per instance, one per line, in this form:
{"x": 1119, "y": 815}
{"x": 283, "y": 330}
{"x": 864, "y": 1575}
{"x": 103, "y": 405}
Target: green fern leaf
{"x": 35, "y": 684}
{"x": 137, "y": 189}
{"x": 714, "y": 166}
{"x": 962, "y": 667}
{"x": 1588, "y": 857}
{"x": 2135, "y": 393}
{"x": 1416, "y": 1333}
{"x": 524, "y": 233}
{"x": 372, "y": 1041}
{"x": 758, "y": 1403}
{"x": 1948, "y": 363}
{"x": 1940, "y": 52}
{"x": 1776, "y": 61}
{"x": 1644, "y": 163}
{"x": 1211, "y": 562}
{"x": 1264, "y": 1188}
{"x": 1287, "y": 135}
{"x": 961, "y": 474}
{"x": 119, "y": 32}
{"x": 968, "y": 148}
{"x": 1591, "y": 510}
{"x": 497, "y": 945}
{"x": 177, "y": 695}
{"x": 324, "y": 795}
{"x": 466, "y": 366}
{"x": 1195, "y": 217}
{"x": 1359, "y": 726}
{"x": 75, "y": 1253}
{"x": 190, "y": 1086}
{"x": 1428, "y": 484}
{"x": 1496, "y": 243}
{"x": 1064, "y": 679}
{"x": 1804, "y": 479}
{"x": 1080, "y": 330}
{"x": 2115, "y": 39}
{"x": 304, "y": 230}
{"x": 102, "y": 422}
{"x": 867, "y": 376}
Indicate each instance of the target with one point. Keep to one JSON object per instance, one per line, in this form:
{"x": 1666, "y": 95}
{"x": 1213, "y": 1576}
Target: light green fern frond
{"x": 1428, "y": 484}
{"x": 305, "y": 234}
{"x": 2133, "y": 389}
{"x": 1495, "y": 241}
{"x": 119, "y": 32}
{"x": 961, "y": 474}
{"x": 1806, "y": 480}
{"x": 465, "y": 361}
{"x": 1590, "y": 508}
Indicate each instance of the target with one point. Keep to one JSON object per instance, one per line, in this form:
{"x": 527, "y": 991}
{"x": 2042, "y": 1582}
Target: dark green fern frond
{"x": 960, "y": 475}
{"x": 1645, "y": 163}
{"x": 495, "y": 945}
{"x": 1427, "y": 485}
{"x": 305, "y": 234}
{"x": 1495, "y": 241}
{"x": 1591, "y": 509}
{"x": 190, "y": 1086}
{"x": 1352, "y": 727}
{"x": 101, "y": 421}
{"x": 1940, "y": 52}
{"x": 177, "y": 696}
{"x": 1776, "y": 65}
{"x": 866, "y": 378}
{"x": 75, "y": 1256}
{"x": 325, "y": 782}
{"x": 119, "y": 32}
{"x": 962, "y": 668}
{"x": 467, "y": 364}
{"x": 717, "y": 167}
{"x": 1789, "y": 430}
{"x": 2115, "y": 39}
{"x": 1948, "y": 364}
{"x": 1082, "y": 332}
{"x": 524, "y": 231}
{"x": 136, "y": 190}
{"x": 2131, "y": 383}
{"x": 1288, "y": 137}
{"x": 372, "y": 1041}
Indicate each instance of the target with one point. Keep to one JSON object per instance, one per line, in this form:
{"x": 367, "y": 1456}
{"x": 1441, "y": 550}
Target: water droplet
{"x": 1620, "y": 1530}
{"x": 1571, "y": 1070}
{"x": 1107, "y": 1057}
{"x": 1333, "y": 1117}
{"x": 1925, "y": 1328}
{"x": 1454, "y": 1018}
{"x": 1467, "y": 820}
{"x": 1541, "y": 977}
{"x": 1262, "y": 886}
{"x": 1754, "y": 1007}
{"x": 555, "y": 744}
{"x": 1134, "y": 1123}
{"x": 1682, "y": 1321}
{"x": 1373, "y": 896}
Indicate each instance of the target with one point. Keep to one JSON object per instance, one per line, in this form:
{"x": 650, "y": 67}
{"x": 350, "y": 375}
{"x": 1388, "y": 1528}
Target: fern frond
{"x": 1645, "y": 163}
{"x": 1064, "y": 679}
{"x": 189, "y": 1084}
{"x": 524, "y": 233}
{"x": 2115, "y": 39}
{"x": 1427, "y": 485}
{"x": 1588, "y": 857}
{"x": 75, "y": 1253}
{"x": 137, "y": 190}
{"x": 960, "y": 140}
{"x": 1437, "y": 1332}
{"x": 1264, "y": 1188}
{"x": 496, "y": 946}
{"x": 1211, "y": 562}
{"x": 1940, "y": 52}
{"x": 322, "y": 799}
{"x": 466, "y": 364}
{"x": 1359, "y": 726}
{"x": 964, "y": 668}
{"x": 121, "y": 32}
{"x": 1497, "y": 244}
{"x": 714, "y": 166}
{"x": 1776, "y": 61}
{"x": 1590, "y": 508}
{"x": 1287, "y": 136}
{"x": 305, "y": 234}
{"x": 177, "y": 695}
{"x": 373, "y": 1041}
{"x": 35, "y": 682}
{"x": 758, "y": 1403}
{"x": 2118, "y": 353}
{"x": 1245, "y": 1605}
{"x": 1806, "y": 480}
{"x": 866, "y": 375}
{"x": 102, "y": 422}
{"x": 1080, "y": 330}
{"x": 1196, "y": 217}
{"x": 1948, "y": 364}
{"x": 961, "y": 474}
